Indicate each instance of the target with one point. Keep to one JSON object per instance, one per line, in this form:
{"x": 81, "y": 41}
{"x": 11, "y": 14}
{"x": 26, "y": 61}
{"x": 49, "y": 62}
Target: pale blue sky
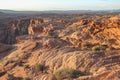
{"x": 59, "y": 4}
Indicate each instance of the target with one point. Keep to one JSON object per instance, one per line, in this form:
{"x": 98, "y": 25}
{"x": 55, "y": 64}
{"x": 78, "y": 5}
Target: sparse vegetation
{"x": 55, "y": 36}
{"x": 26, "y": 78}
{"x": 19, "y": 62}
{"x": 85, "y": 46}
{"x": 40, "y": 67}
{"x": 99, "y": 47}
{"x": 67, "y": 74}
{"x": 26, "y": 66}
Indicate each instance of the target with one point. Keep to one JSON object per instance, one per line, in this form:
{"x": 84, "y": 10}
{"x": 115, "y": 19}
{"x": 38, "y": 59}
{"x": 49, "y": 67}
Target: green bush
{"x": 39, "y": 67}
{"x": 26, "y": 66}
{"x": 55, "y": 36}
{"x": 20, "y": 62}
{"x": 26, "y": 78}
{"x": 99, "y": 47}
{"x": 85, "y": 46}
{"x": 67, "y": 74}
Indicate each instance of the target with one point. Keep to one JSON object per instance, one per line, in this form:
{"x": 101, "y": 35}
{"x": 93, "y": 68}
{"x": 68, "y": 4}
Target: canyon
{"x": 89, "y": 43}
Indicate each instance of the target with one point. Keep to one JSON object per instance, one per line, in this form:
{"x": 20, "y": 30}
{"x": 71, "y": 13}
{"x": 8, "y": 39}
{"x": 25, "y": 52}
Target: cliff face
{"x": 4, "y": 48}
{"x": 2, "y": 32}
{"x": 17, "y": 27}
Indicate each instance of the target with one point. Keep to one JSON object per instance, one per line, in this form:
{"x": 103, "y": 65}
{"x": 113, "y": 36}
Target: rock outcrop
{"x": 35, "y": 27}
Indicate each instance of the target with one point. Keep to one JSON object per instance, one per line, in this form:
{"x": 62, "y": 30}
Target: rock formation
{"x": 89, "y": 44}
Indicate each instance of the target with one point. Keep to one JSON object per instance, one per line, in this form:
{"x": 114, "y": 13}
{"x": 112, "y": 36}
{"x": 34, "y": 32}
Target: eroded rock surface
{"x": 90, "y": 44}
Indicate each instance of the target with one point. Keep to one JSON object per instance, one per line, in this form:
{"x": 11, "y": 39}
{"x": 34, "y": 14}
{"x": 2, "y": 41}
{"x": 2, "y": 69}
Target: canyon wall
{"x": 18, "y": 27}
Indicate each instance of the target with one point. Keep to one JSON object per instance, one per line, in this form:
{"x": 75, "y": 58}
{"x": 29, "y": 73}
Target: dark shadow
{"x": 7, "y": 52}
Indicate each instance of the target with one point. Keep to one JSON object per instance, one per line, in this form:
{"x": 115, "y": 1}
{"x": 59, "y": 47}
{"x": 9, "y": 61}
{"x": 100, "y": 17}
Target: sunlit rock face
{"x": 35, "y": 26}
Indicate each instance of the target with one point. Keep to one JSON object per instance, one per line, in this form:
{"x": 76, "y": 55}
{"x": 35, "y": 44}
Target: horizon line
{"x": 63, "y": 10}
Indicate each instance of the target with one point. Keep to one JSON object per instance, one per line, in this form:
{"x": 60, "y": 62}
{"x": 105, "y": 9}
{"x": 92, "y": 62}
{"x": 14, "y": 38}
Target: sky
{"x": 41, "y": 5}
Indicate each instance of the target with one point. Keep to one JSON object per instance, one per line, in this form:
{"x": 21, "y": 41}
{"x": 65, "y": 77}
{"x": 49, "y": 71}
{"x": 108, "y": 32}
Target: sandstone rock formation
{"x": 90, "y": 44}
{"x": 34, "y": 27}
